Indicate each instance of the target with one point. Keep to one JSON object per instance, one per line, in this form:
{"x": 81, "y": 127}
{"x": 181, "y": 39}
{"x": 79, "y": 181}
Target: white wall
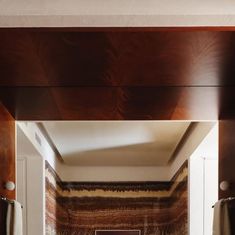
{"x": 92, "y": 174}
{"x": 30, "y": 193}
{"x": 39, "y": 142}
{"x": 196, "y": 197}
{"x": 211, "y": 192}
{"x": 30, "y": 185}
{"x": 203, "y": 184}
{"x": 21, "y": 188}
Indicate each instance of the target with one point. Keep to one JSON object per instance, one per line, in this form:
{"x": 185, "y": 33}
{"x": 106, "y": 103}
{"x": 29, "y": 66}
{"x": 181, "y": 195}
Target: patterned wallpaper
{"x": 155, "y": 208}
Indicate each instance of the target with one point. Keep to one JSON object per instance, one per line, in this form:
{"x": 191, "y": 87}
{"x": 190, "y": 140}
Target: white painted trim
{"x": 44, "y": 198}
{"x": 23, "y": 200}
{"x": 33, "y": 193}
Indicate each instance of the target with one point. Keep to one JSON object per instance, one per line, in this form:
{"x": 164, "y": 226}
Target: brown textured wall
{"x": 81, "y": 208}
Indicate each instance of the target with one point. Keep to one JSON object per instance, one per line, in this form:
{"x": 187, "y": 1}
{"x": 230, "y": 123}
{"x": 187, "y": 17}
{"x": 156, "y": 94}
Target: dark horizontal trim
{"x": 117, "y": 186}
{"x": 122, "y": 29}
{"x": 115, "y": 86}
{"x": 102, "y": 203}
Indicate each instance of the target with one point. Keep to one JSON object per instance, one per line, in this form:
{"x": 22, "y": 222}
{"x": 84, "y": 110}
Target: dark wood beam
{"x": 121, "y": 58}
{"x": 111, "y": 103}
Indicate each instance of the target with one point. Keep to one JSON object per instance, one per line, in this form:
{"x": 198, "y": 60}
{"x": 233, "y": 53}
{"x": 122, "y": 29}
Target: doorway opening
{"x": 147, "y": 176}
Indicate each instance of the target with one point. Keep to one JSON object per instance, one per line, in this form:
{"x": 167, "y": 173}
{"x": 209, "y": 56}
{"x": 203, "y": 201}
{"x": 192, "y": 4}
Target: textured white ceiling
{"x": 116, "y": 7}
{"x": 116, "y": 143}
{"x": 80, "y": 13}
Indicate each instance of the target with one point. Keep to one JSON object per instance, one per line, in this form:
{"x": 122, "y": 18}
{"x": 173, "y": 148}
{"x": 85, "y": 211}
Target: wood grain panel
{"x": 7, "y": 151}
{"x": 227, "y": 162}
{"x": 227, "y": 155}
{"x": 111, "y": 103}
{"x": 116, "y": 58}
{"x": 105, "y": 74}
{"x": 7, "y": 160}
{"x": 120, "y": 74}
{"x": 30, "y": 103}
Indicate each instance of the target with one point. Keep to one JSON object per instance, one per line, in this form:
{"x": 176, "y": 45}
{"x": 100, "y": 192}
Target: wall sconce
{"x": 224, "y": 185}
{"x": 10, "y": 185}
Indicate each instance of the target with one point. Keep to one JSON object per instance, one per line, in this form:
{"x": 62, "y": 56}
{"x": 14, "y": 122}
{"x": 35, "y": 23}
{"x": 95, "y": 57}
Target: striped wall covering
{"x": 155, "y": 208}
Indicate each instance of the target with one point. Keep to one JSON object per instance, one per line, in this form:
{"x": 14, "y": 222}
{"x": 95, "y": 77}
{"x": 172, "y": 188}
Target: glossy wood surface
{"x": 227, "y": 153}
{"x": 227, "y": 163}
{"x": 45, "y": 58}
{"x": 7, "y": 161}
{"x": 7, "y": 151}
{"x": 124, "y": 74}
{"x": 67, "y": 74}
{"x": 111, "y": 103}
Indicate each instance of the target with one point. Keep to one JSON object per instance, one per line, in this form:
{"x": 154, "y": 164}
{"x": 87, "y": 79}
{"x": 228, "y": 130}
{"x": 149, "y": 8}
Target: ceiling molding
{"x": 50, "y": 141}
{"x": 182, "y": 141}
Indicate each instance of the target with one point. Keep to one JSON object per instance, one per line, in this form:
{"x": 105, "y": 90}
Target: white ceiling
{"x": 114, "y": 13}
{"x": 116, "y": 7}
{"x": 116, "y": 143}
